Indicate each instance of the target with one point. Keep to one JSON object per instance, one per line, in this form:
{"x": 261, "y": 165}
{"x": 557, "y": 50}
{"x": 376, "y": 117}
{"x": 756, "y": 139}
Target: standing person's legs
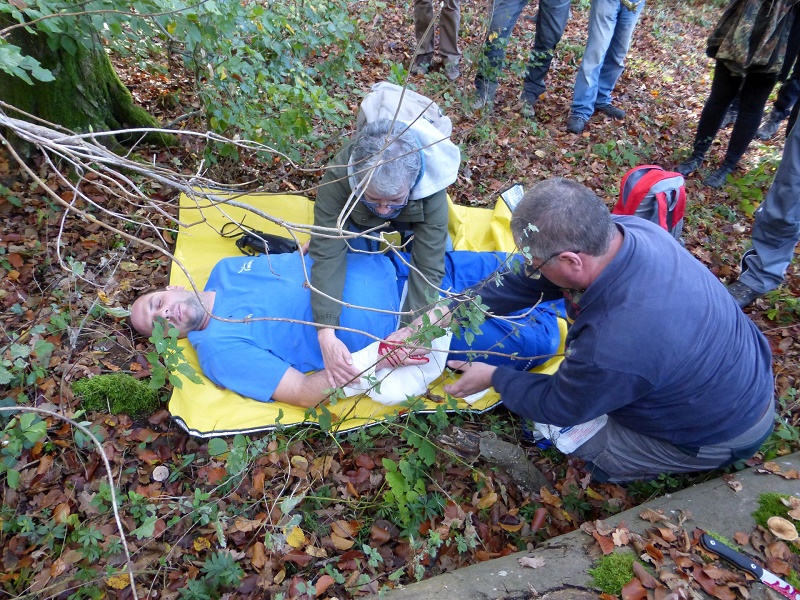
{"x": 505, "y": 14}
{"x": 724, "y": 88}
{"x": 449, "y": 22}
{"x": 602, "y": 21}
{"x": 776, "y": 229}
{"x": 756, "y": 89}
{"x": 551, "y": 20}
{"x": 614, "y": 62}
{"x": 753, "y": 95}
{"x": 423, "y": 31}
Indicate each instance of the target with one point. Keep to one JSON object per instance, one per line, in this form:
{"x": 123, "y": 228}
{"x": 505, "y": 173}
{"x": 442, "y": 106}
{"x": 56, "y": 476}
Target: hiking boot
{"x": 483, "y": 99}
{"x": 730, "y": 118}
{"x": 769, "y": 127}
{"x": 718, "y": 178}
{"x": 420, "y": 68}
{"x": 528, "y": 108}
{"x": 690, "y": 165}
{"x": 742, "y": 293}
{"x": 611, "y": 110}
{"x": 576, "y": 124}
{"x": 452, "y": 70}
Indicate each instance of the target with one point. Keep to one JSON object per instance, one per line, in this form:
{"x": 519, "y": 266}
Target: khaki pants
{"x": 449, "y": 21}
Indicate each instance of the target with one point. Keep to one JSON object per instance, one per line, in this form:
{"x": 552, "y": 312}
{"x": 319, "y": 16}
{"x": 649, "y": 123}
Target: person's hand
{"x": 338, "y": 362}
{"x": 304, "y": 247}
{"x": 396, "y": 351}
{"x": 475, "y": 377}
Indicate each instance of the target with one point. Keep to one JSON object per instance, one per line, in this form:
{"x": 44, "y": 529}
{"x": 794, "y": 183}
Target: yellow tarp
{"x": 206, "y": 410}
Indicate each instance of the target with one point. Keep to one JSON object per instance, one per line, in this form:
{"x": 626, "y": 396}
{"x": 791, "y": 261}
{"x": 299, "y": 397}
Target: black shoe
{"x": 689, "y": 166}
{"x": 482, "y": 99}
{"x": 576, "y": 124}
{"x": 420, "y": 68}
{"x": 451, "y": 70}
{"x": 743, "y": 294}
{"x": 769, "y": 127}
{"x": 718, "y": 178}
{"x": 611, "y": 110}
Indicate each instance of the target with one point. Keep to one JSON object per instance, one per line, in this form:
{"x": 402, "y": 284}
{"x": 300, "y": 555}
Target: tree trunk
{"x": 86, "y": 94}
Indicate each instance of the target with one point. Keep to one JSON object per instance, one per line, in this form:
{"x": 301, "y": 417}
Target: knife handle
{"x": 731, "y": 555}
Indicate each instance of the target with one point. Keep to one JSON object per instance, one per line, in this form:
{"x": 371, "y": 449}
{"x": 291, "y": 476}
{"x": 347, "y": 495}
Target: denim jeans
{"x": 776, "y": 230}
{"x": 611, "y": 28}
{"x": 551, "y": 19}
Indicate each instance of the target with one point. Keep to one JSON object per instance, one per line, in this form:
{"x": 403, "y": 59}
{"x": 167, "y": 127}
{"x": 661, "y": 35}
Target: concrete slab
{"x": 714, "y": 505}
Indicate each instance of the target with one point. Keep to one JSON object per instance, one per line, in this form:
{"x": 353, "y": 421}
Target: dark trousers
{"x": 755, "y": 90}
{"x": 788, "y": 93}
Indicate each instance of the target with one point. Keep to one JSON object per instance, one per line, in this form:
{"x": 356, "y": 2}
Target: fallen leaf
{"x": 341, "y": 543}
{"x": 201, "y": 544}
{"x": 654, "y": 516}
{"x": 735, "y": 485}
{"x": 118, "y": 582}
{"x": 531, "y": 562}
{"x": 606, "y": 544}
{"x": 487, "y": 501}
{"x": 259, "y": 557}
{"x": 634, "y": 590}
{"x": 322, "y": 584}
{"x": 296, "y": 537}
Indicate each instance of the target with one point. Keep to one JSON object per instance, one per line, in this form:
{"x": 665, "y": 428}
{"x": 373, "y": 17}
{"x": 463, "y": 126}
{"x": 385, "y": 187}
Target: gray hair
{"x": 560, "y": 215}
{"x": 387, "y": 155}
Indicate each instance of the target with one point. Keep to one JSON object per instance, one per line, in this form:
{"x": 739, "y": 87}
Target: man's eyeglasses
{"x": 537, "y": 272}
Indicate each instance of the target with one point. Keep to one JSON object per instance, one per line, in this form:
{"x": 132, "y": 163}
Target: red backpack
{"x": 652, "y": 193}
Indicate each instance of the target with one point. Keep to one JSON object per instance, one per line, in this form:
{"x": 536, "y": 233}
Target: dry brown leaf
{"x": 621, "y": 537}
{"x": 379, "y": 535}
{"x": 345, "y": 529}
{"x": 741, "y": 538}
{"x": 654, "y": 516}
{"x": 606, "y": 544}
{"x": 531, "y": 562}
{"x": 341, "y": 543}
{"x": 550, "y": 499}
{"x": 735, "y": 485}
{"x": 259, "y": 557}
{"x": 634, "y": 590}
{"x": 322, "y": 584}
{"x": 644, "y": 576}
{"x": 487, "y": 501}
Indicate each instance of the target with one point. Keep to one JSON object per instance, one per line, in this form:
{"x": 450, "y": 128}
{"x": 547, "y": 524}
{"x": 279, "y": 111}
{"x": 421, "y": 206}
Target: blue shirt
{"x": 251, "y": 358}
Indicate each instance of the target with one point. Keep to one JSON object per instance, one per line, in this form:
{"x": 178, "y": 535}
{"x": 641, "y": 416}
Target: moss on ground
{"x": 613, "y": 571}
{"x": 117, "y": 393}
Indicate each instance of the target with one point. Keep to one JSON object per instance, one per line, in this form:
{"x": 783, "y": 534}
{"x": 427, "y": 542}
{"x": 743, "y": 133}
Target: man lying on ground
{"x": 656, "y": 343}
{"x": 269, "y": 358}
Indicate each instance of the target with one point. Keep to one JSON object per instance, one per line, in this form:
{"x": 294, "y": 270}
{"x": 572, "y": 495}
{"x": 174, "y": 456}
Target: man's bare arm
{"x": 302, "y": 390}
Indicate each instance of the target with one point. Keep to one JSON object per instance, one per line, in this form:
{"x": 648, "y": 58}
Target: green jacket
{"x": 426, "y": 217}
{"x": 752, "y": 35}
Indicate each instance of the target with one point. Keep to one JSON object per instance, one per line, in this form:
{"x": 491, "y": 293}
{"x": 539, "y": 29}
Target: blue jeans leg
{"x": 505, "y": 14}
{"x": 776, "y": 230}
{"x": 550, "y": 23}
{"x": 611, "y": 28}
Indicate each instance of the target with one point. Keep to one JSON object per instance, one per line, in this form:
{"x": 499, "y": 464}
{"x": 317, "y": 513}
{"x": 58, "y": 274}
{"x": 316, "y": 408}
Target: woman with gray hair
{"x": 391, "y": 177}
